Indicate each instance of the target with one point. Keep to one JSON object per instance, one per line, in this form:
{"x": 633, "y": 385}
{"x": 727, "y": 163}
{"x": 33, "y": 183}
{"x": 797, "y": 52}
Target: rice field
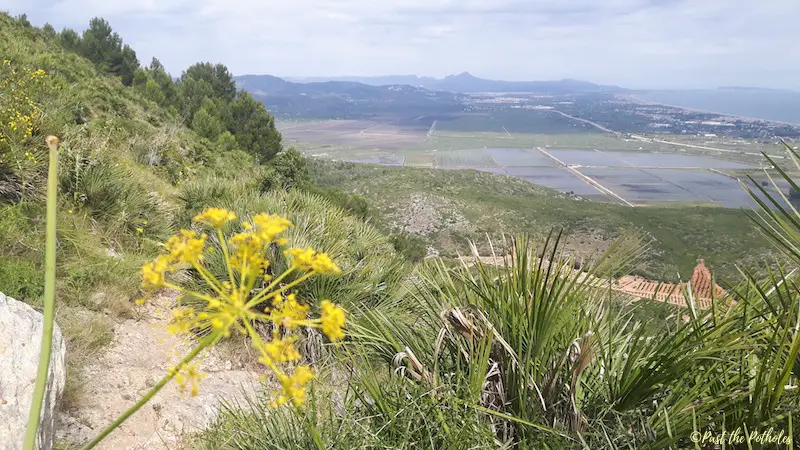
{"x": 461, "y": 158}
{"x": 638, "y": 172}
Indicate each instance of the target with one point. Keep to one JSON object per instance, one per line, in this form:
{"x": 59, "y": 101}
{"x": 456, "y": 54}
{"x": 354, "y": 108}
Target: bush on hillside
{"x": 412, "y": 247}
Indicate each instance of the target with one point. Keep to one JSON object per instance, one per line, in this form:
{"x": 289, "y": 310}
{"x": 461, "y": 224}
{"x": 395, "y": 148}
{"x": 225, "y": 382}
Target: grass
{"x": 461, "y": 362}
{"x": 495, "y": 203}
{"x": 460, "y": 158}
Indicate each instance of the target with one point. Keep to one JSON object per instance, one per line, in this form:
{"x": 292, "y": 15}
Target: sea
{"x": 768, "y": 104}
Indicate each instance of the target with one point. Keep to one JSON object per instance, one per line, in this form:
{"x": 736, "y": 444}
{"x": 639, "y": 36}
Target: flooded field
{"x": 639, "y": 178}
{"x": 634, "y": 177}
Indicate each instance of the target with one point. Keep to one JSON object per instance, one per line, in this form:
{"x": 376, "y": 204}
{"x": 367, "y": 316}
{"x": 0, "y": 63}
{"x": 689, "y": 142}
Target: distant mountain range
{"x": 345, "y": 99}
{"x": 467, "y": 83}
{"x": 368, "y": 96}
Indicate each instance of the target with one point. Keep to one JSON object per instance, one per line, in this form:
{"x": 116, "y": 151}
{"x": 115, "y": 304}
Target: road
{"x": 702, "y": 147}
{"x": 432, "y": 128}
{"x": 596, "y": 125}
{"x": 587, "y": 179}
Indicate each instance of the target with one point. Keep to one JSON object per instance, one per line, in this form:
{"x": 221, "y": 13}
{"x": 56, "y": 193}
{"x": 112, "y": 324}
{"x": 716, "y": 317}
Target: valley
{"x": 231, "y": 262}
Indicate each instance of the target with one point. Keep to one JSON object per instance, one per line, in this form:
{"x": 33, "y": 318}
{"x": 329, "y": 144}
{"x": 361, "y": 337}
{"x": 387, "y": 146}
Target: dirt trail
{"x": 140, "y": 354}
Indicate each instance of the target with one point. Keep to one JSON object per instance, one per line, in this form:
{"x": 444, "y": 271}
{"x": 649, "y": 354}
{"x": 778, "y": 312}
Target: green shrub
{"x": 412, "y": 247}
{"x": 21, "y": 279}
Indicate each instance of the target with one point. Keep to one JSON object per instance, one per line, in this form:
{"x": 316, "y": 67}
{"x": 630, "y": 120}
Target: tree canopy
{"x": 205, "y": 96}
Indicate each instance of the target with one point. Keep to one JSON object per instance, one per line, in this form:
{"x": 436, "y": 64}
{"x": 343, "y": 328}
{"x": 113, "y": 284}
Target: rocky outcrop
{"x": 20, "y": 344}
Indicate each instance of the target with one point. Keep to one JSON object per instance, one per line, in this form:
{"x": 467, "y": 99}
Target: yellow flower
{"x": 279, "y": 350}
{"x": 308, "y": 259}
{"x": 333, "y": 320}
{"x": 302, "y": 258}
{"x": 153, "y": 272}
{"x": 288, "y": 312}
{"x": 230, "y": 303}
{"x": 294, "y": 387}
{"x": 139, "y": 230}
{"x": 189, "y": 377}
{"x": 270, "y": 225}
{"x": 183, "y": 320}
{"x": 216, "y": 217}
{"x": 248, "y": 255}
{"x": 186, "y": 246}
{"x": 322, "y": 264}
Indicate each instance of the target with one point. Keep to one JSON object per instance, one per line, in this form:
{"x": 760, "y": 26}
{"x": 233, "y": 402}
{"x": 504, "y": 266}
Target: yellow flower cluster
{"x": 332, "y": 320}
{"x": 188, "y": 379}
{"x": 308, "y": 259}
{"x": 234, "y": 301}
{"x": 294, "y": 387}
{"x": 18, "y": 112}
{"x": 216, "y": 217}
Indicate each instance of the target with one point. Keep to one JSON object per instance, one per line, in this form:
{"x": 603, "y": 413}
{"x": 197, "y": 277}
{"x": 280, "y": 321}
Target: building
{"x": 702, "y": 286}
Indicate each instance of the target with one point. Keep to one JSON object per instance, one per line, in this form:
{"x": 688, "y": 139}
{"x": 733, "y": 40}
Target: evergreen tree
{"x": 70, "y": 40}
{"x": 152, "y": 91}
{"x": 140, "y": 78}
{"x": 192, "y": 93}
{"x": 254, "y": 127}
{"x": 104, "y": 47}
{"x": 216, "y": 75}
{"x": 205, "y": 122}
{"x": 157, "y": 72}
{"x": 127, "y": 65}
{"x": 49, "y": 30}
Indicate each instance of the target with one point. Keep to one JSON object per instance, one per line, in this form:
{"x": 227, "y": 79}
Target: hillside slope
{"x": 131, "y": 174}
{"x": 450, "y": 207}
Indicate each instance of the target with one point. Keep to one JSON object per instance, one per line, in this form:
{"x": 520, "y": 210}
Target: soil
{"x": 140, "y": 354}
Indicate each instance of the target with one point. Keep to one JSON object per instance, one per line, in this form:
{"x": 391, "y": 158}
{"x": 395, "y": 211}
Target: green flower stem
{"x": 207, "y": 341}
{"x": 49, "y": 299}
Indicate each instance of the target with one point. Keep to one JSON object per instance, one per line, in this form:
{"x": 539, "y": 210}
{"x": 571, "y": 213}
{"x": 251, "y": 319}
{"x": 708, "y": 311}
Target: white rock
{"x": 20, "y": 344}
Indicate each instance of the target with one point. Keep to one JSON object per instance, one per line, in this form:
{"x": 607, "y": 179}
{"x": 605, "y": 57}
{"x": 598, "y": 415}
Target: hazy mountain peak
{"x": 462, "y": 76}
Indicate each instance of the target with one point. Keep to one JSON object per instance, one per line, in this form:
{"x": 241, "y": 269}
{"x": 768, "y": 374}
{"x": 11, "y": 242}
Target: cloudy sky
{"x": 632, "y": 43}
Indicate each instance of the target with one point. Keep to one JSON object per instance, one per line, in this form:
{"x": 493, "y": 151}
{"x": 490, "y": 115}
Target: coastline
{"x": 735, "y": 116}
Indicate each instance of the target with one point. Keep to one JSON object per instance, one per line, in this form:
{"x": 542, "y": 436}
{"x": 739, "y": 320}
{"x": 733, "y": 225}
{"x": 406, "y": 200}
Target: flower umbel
{"x": 216, "y": 217}
{"x": 294, "y": 387}
{"x": 309, "y": 260}
{"x": 333, "y": 320}
{"x": 233, "y": 301}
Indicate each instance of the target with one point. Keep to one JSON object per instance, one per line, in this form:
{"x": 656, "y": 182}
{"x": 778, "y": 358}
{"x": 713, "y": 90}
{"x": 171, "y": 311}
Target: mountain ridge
{"x": 465, "y": 82}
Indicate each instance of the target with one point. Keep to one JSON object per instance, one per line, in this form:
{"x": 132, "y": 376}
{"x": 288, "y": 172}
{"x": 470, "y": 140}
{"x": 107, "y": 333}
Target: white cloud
{"x": 636, "y": 43}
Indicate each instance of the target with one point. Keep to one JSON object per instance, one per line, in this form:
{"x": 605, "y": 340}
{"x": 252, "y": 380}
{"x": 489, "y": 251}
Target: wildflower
{"x": 216, "y": 217}
{"x": 333, "y": 320}
{"x": 294, "y": 387}
{"x": 139, "y": 230}
{"x": 268, "y": 226}
{"x": 189, "y": 377}
{"x": 278, "y": 350}
{"x": 248, "y": 256}
{"x": 183, "y": 320}
{"x": 288, "y": 312}
{"x": 231, "y": 303}
{"x": 323, "y": 264}
{"x": 308, "y": 259}
{"x": 186, "y": 247}
{"x": 153, "y": 272}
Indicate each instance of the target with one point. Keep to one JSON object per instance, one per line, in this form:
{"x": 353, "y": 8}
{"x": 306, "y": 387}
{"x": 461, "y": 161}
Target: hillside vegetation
{"x": 140, "y": 155}
{"x": 527, "y": 353}
{"x": 450, "y": 208}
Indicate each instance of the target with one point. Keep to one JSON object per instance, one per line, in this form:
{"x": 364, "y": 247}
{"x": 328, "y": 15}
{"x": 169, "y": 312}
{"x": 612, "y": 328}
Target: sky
{"x": 630, "y": 43}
